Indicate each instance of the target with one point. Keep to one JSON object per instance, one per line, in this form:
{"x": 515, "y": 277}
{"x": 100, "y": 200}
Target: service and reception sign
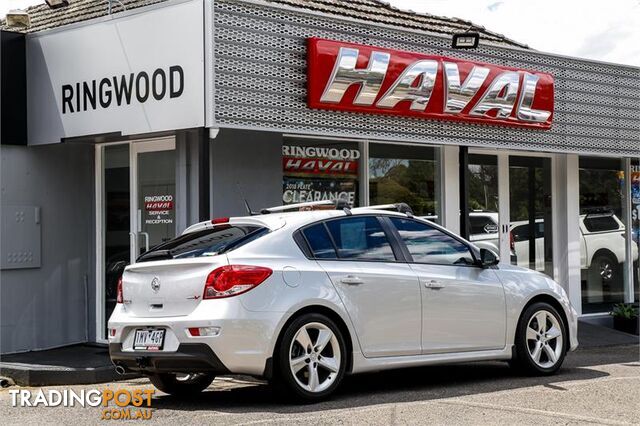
{"x": 366, "y": 79}
{"x": 137, "y": 72}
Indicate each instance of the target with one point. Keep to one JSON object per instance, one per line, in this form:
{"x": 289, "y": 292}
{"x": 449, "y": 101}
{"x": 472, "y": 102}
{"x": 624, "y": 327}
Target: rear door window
{"x": 319, "y": 242}
{"x": 361, "y": 238}
{"x": 207, "y": 242}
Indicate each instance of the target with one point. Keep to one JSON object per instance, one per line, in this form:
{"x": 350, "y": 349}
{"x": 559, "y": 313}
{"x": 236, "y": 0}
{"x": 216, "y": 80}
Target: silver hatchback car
{"x": 303, "y": 298}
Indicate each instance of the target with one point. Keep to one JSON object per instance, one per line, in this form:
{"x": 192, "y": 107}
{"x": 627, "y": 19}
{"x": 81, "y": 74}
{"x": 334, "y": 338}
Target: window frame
{"x": 396, "y": 247}
{"x": 407, "y": 254}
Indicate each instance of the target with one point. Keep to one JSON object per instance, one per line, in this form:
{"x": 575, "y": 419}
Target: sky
{"x": 594, "y": 29}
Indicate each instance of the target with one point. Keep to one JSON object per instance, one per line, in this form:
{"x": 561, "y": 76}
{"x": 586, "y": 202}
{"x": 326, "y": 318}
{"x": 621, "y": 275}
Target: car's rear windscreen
{"x": 208, "y": 242}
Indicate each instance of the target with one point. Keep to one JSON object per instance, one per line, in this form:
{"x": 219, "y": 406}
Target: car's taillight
{"x": 119, "y": 297}
{"x": 512, "y": 242}
{"x": 219, "y": 220}
{"x": 232, "y": 280}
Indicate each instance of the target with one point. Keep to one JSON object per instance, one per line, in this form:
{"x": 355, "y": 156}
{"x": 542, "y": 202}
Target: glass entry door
{"x": 153, "y": 214}
{"x": 509, "y": 198}
{"x": 530, "y": 213}
{"x": 135, "y": 210}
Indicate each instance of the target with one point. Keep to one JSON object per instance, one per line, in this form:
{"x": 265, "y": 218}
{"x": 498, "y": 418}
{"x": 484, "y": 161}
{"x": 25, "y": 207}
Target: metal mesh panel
{"x": 260, "y": 83}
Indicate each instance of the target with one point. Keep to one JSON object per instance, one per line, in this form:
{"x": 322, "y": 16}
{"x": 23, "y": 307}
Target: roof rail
{"x": 399, "y": 207}
{"x": 339, "y": 204}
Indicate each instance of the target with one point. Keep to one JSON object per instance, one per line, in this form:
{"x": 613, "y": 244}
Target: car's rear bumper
{"x": 189, "y": 358}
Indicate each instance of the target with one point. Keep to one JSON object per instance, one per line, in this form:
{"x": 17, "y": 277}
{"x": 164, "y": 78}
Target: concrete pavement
{"x": 595, "y": 386}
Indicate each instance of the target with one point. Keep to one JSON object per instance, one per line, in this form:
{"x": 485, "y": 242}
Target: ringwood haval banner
{"x": 352, "y": 77}
{"x": 137, "y": 72}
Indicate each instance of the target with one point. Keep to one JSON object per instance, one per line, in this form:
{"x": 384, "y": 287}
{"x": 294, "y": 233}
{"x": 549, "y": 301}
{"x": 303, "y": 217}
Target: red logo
{"x": 366, "y": 79}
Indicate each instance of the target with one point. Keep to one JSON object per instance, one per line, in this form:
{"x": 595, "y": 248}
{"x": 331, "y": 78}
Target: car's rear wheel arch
{"x": 545, "y": 298}
{"x": 329, "y": 313}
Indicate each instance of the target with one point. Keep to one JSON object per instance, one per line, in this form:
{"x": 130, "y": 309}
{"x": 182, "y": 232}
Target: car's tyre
{"x": 541, "y": 340}
{"x": 182, "y": 384}
{"x": 311, "y": 357}
{"x": 604, "y": 267}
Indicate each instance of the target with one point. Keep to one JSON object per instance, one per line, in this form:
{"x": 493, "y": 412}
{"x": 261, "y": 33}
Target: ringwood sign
{"x": 120, "y": 90}
{"x": 359, "y": 78}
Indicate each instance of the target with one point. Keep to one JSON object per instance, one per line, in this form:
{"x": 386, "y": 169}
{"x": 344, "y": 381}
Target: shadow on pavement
{"x": 414, "y": 384}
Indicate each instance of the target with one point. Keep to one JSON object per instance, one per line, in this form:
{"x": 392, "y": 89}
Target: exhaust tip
{"x": 120, "y": 370}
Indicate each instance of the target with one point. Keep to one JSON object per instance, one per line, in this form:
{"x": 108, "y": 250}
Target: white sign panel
{"x": 140, "y": 72}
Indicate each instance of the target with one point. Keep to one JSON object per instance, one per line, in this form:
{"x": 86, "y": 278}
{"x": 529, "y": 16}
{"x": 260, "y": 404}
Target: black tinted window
{"x": 360, "y": 237}
{"x": 600, "y": 223}
{"x": 208, "y": 242}
{"x": 429, "y": 245}
{"x": 319, "y": 242}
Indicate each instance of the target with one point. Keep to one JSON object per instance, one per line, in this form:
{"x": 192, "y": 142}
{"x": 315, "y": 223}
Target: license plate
{"x": 149, "y": 339}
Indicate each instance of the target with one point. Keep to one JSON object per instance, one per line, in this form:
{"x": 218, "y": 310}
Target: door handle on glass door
{"x": 434, "y": 284}
{"x": 146, "y": 241}
{"x": 351, "y": 280}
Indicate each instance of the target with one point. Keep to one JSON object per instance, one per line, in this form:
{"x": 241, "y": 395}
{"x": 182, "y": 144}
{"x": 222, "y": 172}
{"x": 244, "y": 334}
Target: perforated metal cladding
{"x": 260, "y": 83}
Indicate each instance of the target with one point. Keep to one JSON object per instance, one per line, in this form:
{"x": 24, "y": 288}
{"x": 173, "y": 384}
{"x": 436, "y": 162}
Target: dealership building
{"x": 121, "y": 129}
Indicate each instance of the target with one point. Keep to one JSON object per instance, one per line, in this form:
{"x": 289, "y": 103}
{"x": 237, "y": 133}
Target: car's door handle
{"x": 351, "y": 280}
{"x": 434, "y": 284}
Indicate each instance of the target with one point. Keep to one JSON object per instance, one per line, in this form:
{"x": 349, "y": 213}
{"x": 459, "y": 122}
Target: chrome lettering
{"x": 345, "y": 74}
{"x": 500, "y": 96}
{"x": 403, "y": 89}
{"x": 456, "y": 96}
{"x": 525, "y": 112}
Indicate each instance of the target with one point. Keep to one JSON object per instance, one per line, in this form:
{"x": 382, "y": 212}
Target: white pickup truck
{"x": 602, "y": 243}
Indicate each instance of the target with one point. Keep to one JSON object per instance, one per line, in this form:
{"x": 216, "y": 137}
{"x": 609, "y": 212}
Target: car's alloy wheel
{"x": 312, "y": 357}
{"x": 605, "y": 269}
{"x": 544, "y": 339}
{"x": 541, "y": 340}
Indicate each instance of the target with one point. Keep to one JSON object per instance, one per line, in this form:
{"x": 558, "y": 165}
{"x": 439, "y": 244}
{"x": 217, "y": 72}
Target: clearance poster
{"x": 318, "y": 173}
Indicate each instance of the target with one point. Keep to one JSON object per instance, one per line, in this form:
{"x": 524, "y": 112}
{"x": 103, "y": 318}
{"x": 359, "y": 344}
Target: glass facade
{"x": 634, "y": 183}
{"x": 385, "y": 173}
{"x": 603, "y": 233}
{"x": 318, "y": 170}
{"x": 404, "y": 173}
{"x": 484, "y": 201}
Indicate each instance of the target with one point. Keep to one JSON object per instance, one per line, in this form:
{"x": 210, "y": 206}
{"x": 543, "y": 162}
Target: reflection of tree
{"x": 483, "y": 187}
{"x": 407, "y": 181}
{"x": 601, "y": 189}
{"x": 519, "y": 193}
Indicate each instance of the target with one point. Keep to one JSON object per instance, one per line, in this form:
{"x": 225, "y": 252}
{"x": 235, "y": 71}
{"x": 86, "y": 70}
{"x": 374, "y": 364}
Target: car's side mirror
{"x": 488, "y": 258}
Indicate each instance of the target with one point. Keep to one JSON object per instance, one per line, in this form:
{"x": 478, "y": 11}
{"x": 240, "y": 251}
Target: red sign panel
{"x": 319, "y": 166}
{"x": 366, "y": 79}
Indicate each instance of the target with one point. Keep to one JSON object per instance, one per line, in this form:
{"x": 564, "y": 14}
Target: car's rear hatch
{"x": 167, "y": 288}
{"x": 169, "y": 279}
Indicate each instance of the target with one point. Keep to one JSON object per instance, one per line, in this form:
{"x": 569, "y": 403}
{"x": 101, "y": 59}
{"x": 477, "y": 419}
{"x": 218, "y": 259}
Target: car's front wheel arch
{"x": 546, "y": 298}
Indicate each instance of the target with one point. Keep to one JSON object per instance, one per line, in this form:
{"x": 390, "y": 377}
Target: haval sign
{"x": 353, "y": 77}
